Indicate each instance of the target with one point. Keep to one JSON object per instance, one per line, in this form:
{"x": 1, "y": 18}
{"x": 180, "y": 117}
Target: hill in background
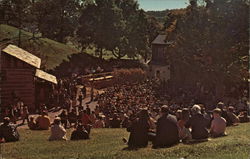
{"x": 161, "y": 16}
{"x": 51, "y": 52}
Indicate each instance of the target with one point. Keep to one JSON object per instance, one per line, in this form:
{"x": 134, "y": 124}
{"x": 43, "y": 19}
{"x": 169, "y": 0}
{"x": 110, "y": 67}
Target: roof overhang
{"x": 46, "y": 76}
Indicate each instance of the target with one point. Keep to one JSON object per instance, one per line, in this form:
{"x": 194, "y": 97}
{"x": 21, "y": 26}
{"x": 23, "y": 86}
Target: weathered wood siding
{"x": 17, "y": 76}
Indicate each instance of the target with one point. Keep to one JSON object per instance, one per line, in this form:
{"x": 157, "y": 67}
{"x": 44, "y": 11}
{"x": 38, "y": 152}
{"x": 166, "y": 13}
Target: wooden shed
{"x": 19, "y": 69}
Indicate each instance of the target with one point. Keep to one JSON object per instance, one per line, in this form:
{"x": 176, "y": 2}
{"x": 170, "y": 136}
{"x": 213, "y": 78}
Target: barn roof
{"x": 46, "y": 76}
{"x": 23, "y": 55}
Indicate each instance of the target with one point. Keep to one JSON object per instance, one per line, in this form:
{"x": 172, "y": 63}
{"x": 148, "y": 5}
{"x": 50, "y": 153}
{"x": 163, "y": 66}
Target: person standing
{"x": 25, "y": 114}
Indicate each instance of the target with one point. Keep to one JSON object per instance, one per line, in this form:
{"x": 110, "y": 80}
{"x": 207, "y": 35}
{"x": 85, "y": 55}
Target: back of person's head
{"x": 79, "y": 127}
{"x": 44, "y": 113}
{"x": 217, "y": 111}
{"x": 196, "y": 109}
{"x": 231, "y": 109}
{"x": 6, "y": 120}
{"x": 178, "y": 113}
{"x": 185, "y": 114}
{"x": 57, "y": 121}
{"x": 64, "y": 112}
{"x": 31, "y": 118}
{"x": 165, "y": 109}
{"x": 144, "y": 114}
{"x": 220, "y": 105}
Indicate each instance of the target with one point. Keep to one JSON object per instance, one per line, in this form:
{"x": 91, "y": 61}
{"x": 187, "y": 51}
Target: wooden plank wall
{"x": 18, "y": 77}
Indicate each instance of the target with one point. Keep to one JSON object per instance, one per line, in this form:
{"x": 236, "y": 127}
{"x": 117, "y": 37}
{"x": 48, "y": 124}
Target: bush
{"x": 123, "y": 76}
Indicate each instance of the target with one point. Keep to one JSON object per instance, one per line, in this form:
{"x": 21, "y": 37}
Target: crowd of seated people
{"x": 136, "y": 107}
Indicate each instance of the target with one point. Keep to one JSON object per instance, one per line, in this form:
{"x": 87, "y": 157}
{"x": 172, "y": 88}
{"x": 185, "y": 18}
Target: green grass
{"x": 107, "y": 143}
{"x": 51, "y": 52}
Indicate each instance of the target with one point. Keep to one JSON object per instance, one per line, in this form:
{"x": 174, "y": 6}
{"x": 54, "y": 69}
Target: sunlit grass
{"x": 107, "y": 143}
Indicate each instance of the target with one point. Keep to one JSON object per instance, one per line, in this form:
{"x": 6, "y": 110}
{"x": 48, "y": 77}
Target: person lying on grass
{"x": 57, "y": 131}
{"x": 8, "y": 131}
{"x": 80, "y": 133}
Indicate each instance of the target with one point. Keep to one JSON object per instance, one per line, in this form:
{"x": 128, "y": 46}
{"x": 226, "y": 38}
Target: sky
{"x": 162, "y": 4}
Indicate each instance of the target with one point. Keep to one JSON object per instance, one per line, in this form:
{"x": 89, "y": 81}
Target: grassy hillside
{"x": 107, "y": 143}
{"x": 51, "y": 52}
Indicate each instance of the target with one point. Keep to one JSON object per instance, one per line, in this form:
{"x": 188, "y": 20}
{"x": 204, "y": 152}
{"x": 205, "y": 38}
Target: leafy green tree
{"x": 100, "y": 25}
{"x": 57, "y": 19}
{"x": 212, "y": 42}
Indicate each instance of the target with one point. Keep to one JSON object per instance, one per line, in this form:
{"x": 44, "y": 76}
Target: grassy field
{"x": 107, "y": 143}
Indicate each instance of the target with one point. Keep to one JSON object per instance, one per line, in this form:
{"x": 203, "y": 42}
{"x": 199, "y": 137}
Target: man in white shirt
{"x": 57, "y": 131}
{"x": 218, "y": 125}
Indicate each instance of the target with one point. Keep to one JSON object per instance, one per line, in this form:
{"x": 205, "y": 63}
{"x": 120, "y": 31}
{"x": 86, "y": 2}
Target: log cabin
{"x": 19, "y": 72}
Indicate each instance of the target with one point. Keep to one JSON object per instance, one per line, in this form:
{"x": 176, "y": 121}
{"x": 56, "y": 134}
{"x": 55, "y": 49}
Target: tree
{"x": 57, "y": 19}
{"x": 101, "y": 25}
{"x": 212, "y": 42}
{"x": 126, "y": 31}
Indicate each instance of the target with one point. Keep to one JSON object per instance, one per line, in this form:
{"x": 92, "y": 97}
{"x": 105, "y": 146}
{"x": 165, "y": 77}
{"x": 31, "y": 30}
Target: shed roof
{"x": 46, "y": 76}
{"x": 23, "y": 55}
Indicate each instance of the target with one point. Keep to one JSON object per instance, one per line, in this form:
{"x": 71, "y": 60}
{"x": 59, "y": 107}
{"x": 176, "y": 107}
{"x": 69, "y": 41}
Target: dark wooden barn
{"x": 19, "y": 70}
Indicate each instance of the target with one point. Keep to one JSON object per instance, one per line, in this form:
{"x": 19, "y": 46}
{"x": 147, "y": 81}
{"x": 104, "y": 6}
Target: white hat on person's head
{"x": 196, "y": 109}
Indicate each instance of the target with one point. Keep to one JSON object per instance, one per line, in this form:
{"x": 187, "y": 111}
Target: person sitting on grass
{"x": 243, "y": 117}
{"x": 32, "y": 124}
{"x": 57, "y": 131}
{"x": 139, "y": 130}
{"x": 8, "y": 131}
{"x": 167, "y": 133}
{"x": 231, "y": 115}
{"x": 184, "y": 133}
{"x": 99, "y": 122}
{"x": 43, "y": 121}
{"x": 115, "y": 122}
{"x": 218, "y": 125}
{"x": 198, "y": 123}
{"x": 80, "y": 133}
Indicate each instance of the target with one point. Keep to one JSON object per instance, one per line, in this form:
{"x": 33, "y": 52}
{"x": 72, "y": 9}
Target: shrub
{"x": 123, "y": 76}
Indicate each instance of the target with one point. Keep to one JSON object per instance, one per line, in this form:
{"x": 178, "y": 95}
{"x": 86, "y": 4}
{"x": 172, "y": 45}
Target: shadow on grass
{"x": 131, "y": 148}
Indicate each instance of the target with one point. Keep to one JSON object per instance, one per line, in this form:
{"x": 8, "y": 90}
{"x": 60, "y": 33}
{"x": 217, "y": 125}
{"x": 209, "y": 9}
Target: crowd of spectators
{"x": 138, "y": 108}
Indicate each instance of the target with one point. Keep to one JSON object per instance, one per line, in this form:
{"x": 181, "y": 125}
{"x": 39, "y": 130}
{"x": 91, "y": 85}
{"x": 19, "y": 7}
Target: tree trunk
{"x": 117, "y": 55}
{"x": 100, "y": 53}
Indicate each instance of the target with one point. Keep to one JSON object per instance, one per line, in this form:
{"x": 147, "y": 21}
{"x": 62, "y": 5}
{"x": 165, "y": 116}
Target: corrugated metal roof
{"x": 23, "y": 55}
{"x": 46, "y": 76}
